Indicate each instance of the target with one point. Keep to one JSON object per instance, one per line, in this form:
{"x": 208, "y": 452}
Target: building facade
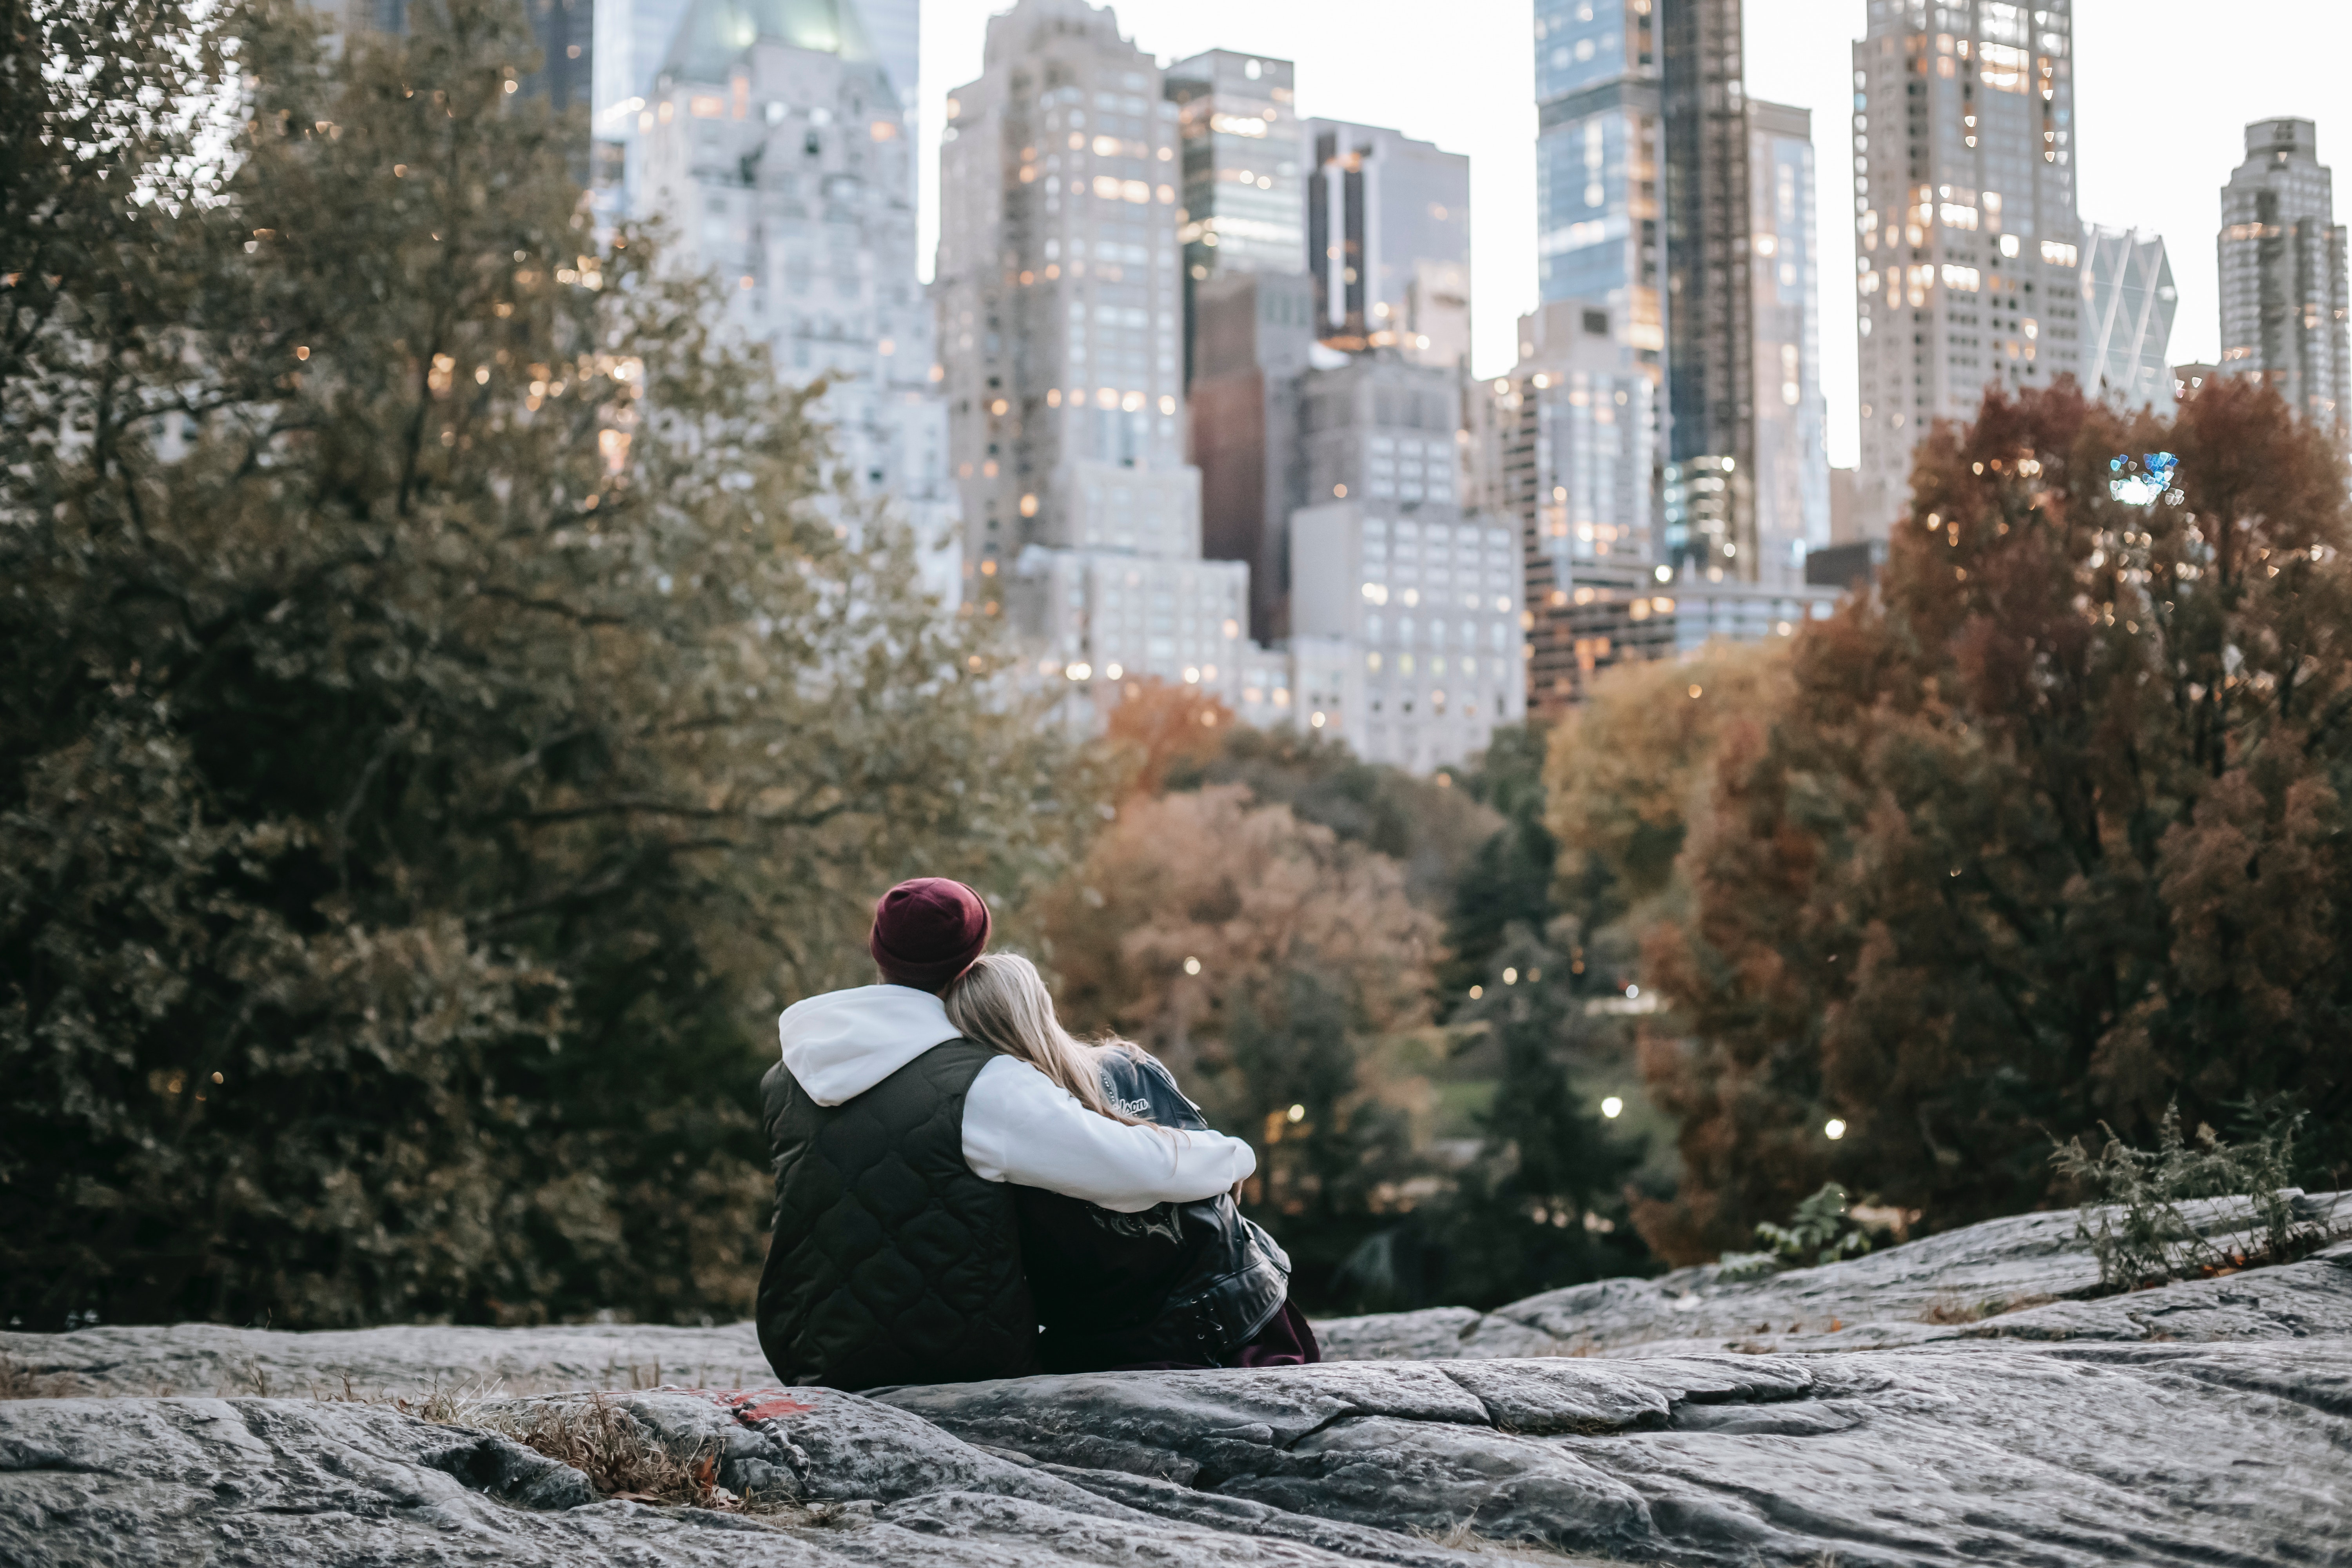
{"x": 1969, "y": 242}
{"x": 1242, "y": 202}
{"x": 1253, "y": 339}
{"x": 1599, "y": 176}
{"x": 1404, "y": 609}
{"x": 1791, "y": 491}
{"x": 1248, "y": 310}
{"x": 1710, "y": 483}
{"x": 1576, "y": 450}
{"x": 1388, "y": 243}
{"x": 2129, "y": 299}
{"x": 783, "y": 168}
{"x": 2284, "y": 309}
{"x": 1059, "y": 312}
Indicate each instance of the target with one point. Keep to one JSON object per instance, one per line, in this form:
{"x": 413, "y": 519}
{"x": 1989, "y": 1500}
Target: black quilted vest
{"x": 892, "y": 1262}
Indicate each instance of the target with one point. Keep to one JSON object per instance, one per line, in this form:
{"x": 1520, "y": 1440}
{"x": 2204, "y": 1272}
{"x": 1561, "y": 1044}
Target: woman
{"x": 1177, "y": 1285}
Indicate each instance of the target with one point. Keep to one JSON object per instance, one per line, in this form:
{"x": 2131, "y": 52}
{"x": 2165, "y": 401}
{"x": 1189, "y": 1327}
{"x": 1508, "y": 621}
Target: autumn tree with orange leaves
{"x": 2050, "y": 831}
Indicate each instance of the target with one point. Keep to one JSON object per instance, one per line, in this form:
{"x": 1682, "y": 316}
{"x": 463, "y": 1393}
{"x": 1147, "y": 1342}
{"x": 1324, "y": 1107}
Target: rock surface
{"x": 1874, "y": 1412}
{"x": 206, "y": 1357}
{"x": 1961, "y": 1284}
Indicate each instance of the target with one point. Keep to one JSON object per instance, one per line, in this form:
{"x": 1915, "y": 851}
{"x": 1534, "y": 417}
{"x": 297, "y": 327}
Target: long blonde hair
{"x": 1001, "y": 1001}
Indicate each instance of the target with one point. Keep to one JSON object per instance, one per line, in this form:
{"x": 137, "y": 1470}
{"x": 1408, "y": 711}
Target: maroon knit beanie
{"x": 927, "y": 931}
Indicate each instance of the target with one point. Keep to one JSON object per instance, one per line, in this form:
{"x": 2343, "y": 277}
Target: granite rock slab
{"x": 133, "y": 1482}
{"x": 1938, "y": 1288}
{"x": 404, "y": 1360}
{"x": 1976, "y": 1451}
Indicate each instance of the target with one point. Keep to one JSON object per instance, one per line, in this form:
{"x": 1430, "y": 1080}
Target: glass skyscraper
{"x": 1792, "y": 473}
{"x": 1968, "y": 241}
{"x": 1388, "y": 243}
{"x": 1710, "y": 484}
{"x": 2129, "y": 299}
{"x": 1598, "y": 179}
{"x": 1243, "y": 202}
{"x": 2284, "y": 308}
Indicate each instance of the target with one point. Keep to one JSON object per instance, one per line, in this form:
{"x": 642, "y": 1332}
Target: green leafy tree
{"x": 443, "y": 713}
{"x": 1508, "y": 880}
{"x": 1545, "y": 1203}
{"x": 1426, "y": 824}
{"x": 2049, "y": 831}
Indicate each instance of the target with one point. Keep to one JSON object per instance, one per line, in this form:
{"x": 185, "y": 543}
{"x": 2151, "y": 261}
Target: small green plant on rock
{"x": 1821, "y": 1231}
{"x": 2132, "y": 1217}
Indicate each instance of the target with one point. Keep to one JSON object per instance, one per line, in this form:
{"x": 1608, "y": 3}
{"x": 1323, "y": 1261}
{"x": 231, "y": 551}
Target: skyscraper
{"x": 1576, "y": 442}
{"x": 1388, "y": 243}
{"x": 778, "y": 157}
{"x": 1417, "y": 602}
{"x": 1597, "y": 181}
{"x": 1248, "y": 308}
{"x": 1710, "y": 505}
{"x": 1253, "y": 336}
{"x": 1792, "y": 465}
{"x": 2128, "y": 304}
{"x": 1969, "y": 237}
{"x": 2284, "y": 309}
{"x": 1243, "y": 201}
{"x": 1059, "y": 311}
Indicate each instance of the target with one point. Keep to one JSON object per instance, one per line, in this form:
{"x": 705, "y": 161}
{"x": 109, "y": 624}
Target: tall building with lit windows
{"x": 1710, "y": 482}
{"x": 1242, "y": 198}
{"x": 1577, "y": 438}
{"x": 2284, "y": 309}
{"x": 1059, "y": 313}
{"x": 1969, "y": 242}
{"x": 1404, "y": 608}
{"x": 1791, "y": 488}
{"x": 1388, "y": 243}
{"x": 1248, "y": 308}
{"x": 1599, "y": 176}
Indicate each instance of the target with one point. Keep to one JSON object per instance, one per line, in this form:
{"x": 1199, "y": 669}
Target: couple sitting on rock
{"x": 965, "y": 1192}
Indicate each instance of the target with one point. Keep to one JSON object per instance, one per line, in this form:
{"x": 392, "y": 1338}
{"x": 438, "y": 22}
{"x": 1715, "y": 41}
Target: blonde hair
{"x": 1001, "y": 1001}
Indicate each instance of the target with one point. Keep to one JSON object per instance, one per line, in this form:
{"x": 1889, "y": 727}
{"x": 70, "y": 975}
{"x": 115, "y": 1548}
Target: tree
{"x": 1166, "y": 729}
{"x": 1625, "y": 771}
{"x": 1263, "y": 959}
{"x": 1425, "y": 825}
{"x": 440, "y": 719}
{"x": 2048, "y": 832}
{"x": 1507, "y": 880}
{"x": 1544, "y": 1202}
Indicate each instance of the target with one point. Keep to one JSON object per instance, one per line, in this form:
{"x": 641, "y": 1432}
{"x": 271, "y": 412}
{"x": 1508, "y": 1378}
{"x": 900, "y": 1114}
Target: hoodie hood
{"x": 843, "y": 1043}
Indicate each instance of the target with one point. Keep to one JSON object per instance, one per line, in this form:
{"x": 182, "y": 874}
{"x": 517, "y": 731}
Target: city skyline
{"x": 2153, "y": 156}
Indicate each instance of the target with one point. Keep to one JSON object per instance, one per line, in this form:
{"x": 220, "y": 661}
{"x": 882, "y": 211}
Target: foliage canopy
{"x": 2049, "y": 831}
{"x": 441, "y": 712}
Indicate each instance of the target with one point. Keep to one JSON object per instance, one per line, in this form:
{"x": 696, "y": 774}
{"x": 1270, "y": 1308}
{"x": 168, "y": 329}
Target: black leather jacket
{"x": 1184, "y": 1283}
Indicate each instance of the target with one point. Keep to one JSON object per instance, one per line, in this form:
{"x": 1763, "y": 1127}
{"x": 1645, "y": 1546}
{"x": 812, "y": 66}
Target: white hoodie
{"x": 1018, "y": 1124}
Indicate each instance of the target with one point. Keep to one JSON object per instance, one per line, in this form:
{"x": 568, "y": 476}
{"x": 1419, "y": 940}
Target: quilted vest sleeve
{"x": 891, "y": 1262}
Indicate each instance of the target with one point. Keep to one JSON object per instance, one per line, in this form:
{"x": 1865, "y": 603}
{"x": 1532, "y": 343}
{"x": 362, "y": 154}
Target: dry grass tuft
{"x": 621, "y": 1460}
{"x": 1949, "y": 1307}
{"x": 19, "y": 1380}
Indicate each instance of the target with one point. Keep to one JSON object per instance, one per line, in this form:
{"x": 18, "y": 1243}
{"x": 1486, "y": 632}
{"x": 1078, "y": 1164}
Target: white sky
{"x": 2164, "y": 90}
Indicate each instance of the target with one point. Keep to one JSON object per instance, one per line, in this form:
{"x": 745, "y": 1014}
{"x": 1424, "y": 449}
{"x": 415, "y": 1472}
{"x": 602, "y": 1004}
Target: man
{"x": 897, "y": 1257}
